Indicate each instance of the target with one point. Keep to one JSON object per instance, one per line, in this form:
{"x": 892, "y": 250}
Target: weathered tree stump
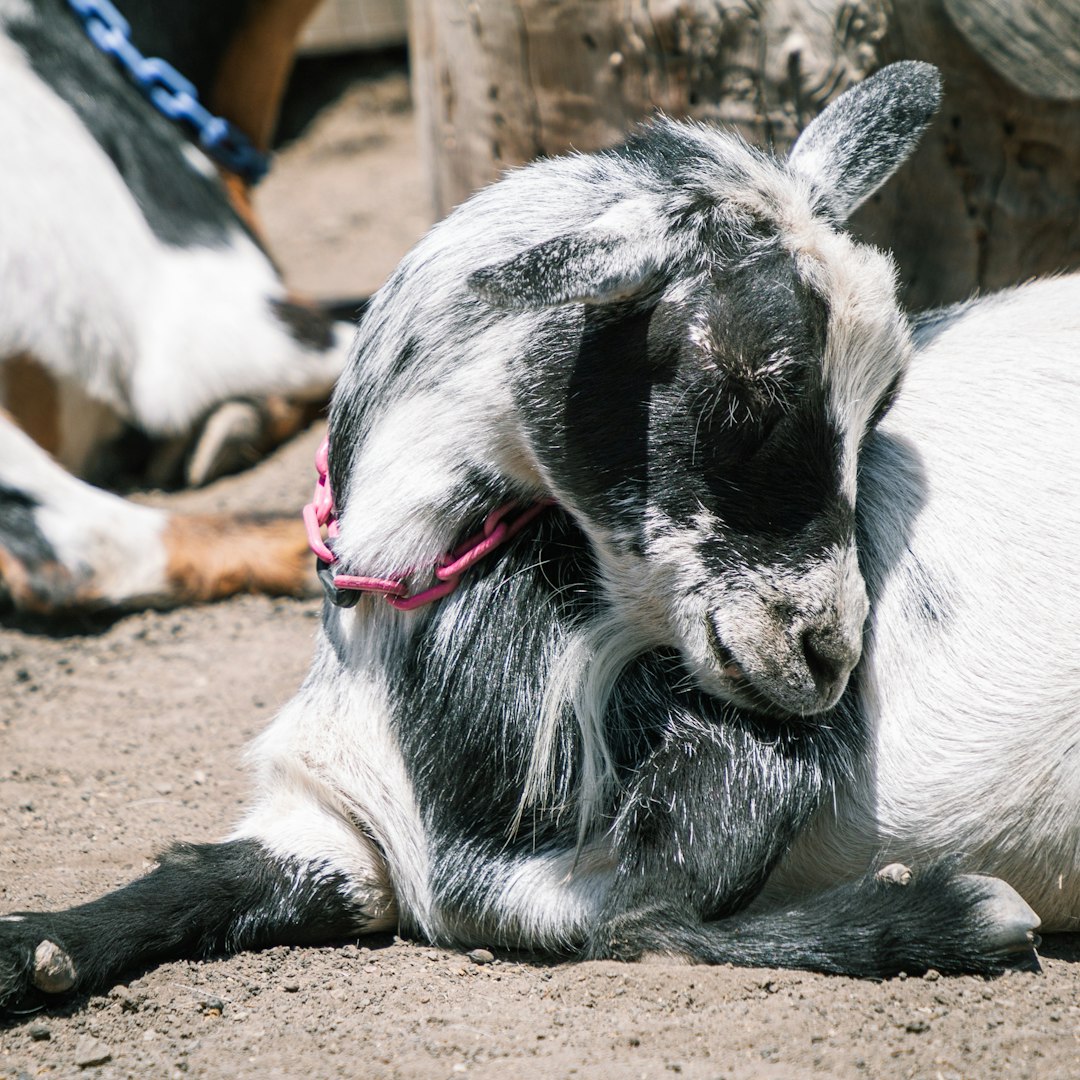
{"x": 992, "y": 197}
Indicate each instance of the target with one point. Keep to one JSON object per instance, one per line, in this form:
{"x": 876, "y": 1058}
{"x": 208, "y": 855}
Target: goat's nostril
{"x": 827, "y": 662}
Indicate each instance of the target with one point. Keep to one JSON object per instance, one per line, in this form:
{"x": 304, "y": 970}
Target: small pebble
{"x": 917, "y": 1027}
{"x": 213, "y": 1006}
{"x": 128, "y": 1001}
{"x": 932, "y": 975}
{"x": 90, "y": 1051}
{"x": 291, "y": 987}
{"x": 481, "y": 956}
{"x": 39, "y": 1033}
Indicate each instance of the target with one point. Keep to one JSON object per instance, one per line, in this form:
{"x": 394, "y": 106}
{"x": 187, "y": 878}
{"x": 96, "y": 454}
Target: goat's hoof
{"x": 1010, "y": 922}
{"x": 30, "y": 962}
{"x": 894, "y": 874}
{"x": 230, "y": 440}
{"x": 54, "y": 971}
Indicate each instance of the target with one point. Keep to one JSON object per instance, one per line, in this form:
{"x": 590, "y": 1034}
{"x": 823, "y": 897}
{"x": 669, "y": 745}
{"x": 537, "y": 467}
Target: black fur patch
{"x": 182, "y": 206}
{"x": 192, "y": 36}
{"x": 473, "y": 694}
{"x": 202, "y": 899}
{"x": 19, "y": 532}
{"x": 308, "y": 326}
{"x": 868, "y": 928}
{"x": 716, "y": 403}
{"x": 713, "y": 796}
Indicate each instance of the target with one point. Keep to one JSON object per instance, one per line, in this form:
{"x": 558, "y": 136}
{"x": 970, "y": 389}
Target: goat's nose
{"x": 829, "y": 656}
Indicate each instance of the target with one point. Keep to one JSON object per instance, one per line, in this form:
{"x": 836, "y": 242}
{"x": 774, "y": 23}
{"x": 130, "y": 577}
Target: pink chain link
{"x": 449, "y": 568}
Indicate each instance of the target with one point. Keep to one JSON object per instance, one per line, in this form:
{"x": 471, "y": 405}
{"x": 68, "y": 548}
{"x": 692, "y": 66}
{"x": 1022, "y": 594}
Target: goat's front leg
{"x": 706, "y": 820}
{"x": 203, "y": 899}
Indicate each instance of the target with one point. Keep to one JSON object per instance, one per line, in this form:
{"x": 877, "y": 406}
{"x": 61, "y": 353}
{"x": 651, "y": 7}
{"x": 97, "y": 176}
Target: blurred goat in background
{"x": 140, "y": 298}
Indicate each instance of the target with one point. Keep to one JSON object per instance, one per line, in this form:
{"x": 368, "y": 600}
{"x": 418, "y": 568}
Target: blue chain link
{"x": 169, "y": 92}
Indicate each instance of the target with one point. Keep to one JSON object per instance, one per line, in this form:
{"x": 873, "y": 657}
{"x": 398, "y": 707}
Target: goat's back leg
{"x": 708, "y": 818}
{"x": 245, "y": 893}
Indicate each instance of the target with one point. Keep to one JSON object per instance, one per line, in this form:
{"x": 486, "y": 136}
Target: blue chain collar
{"x": 169, "y": 92}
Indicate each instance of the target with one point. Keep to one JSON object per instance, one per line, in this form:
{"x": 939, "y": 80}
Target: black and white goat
{"x": 137, "y": 294}
{"x": 640, "y": 729}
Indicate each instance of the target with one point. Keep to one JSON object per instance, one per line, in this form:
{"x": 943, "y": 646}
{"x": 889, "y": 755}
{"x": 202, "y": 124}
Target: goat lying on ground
{"x": 629, "y": 733}
{"x": 137, "y": 294}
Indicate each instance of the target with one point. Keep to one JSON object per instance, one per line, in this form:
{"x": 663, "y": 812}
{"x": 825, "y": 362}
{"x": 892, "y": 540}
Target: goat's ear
{"x": 867, "y": 133}
{"x": 619, "y": 255}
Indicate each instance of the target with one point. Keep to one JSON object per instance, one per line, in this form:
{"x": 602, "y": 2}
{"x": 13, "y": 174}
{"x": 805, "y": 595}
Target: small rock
{"x": 127, "y": 1001}
{"x": 213, "y": 1006}
{"x": 932, "y": 975}
{"x": 39, "y": 1033}
{"x": 91, "y": 1051}
{"x": 290, "y": 987}
{"x": 917, "y": 1027}
{"x": 481, "y": 956}
{"x": 198, "y": 777}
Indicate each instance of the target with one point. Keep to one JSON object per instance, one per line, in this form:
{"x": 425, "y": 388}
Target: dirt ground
{"x": 117, "y": 738}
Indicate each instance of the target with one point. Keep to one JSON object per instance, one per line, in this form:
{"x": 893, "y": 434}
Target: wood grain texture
{"x": 992, "y": 197}
{"x": 1034, "y": 44}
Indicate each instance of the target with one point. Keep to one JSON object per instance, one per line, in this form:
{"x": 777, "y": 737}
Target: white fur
{"x": 115, "y": 542}
{"x": 976, "y": 721}
{"x": 552, "y": 900}
{"x": 332, "y": 775}
{"x": 156, "y": 333}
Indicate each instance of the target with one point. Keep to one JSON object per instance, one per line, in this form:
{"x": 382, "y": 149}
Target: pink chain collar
{"x": 449, "y": 568}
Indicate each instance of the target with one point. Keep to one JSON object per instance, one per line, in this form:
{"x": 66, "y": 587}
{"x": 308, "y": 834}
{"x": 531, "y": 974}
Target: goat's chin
{"x": 768, "y": 696}
{"x": 789, "y": 702}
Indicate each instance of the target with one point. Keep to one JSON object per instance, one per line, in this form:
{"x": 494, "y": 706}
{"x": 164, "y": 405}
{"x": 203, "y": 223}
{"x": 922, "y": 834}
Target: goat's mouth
{"x": 730, "y": 668}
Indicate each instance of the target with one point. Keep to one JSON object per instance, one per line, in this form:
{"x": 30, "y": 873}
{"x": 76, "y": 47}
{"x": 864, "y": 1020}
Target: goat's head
{"x": 714, "y": 352}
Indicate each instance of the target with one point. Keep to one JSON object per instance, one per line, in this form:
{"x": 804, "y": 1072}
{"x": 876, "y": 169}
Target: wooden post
{"x": 990, "y": 199}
